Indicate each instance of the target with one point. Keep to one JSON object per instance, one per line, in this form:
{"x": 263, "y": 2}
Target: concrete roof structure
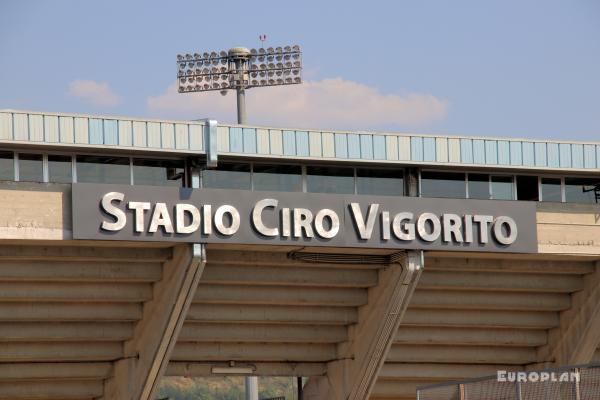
{"x": 190, "y": 137}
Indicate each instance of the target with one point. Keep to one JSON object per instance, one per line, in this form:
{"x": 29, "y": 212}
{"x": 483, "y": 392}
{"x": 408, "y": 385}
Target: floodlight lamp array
{"x": 275, "y": 66}
{"x": 203, "y": 71}
{"x": 221, "y": 71}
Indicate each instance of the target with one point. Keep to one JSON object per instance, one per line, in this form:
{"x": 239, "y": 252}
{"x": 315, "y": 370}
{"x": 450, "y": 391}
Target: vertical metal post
{"x": 518, "y": 390}
{"x": 300, "y": 388}
{"x": 251, "y": 387}
{"x": 467, "y": 185}
{"x": 303, "y": 169}
{"x": 240, "y": 66}
{"x": 576, "y": 384}
{"x": 131, "y": 178}
{"x": 210, "y": 143}
{"x": 195, "y": 177}
{"x": 16, "y": 166}
{"x": 461, "y": 391}
{"x": 241, "y": 105}
{"x": 251, "y": 382}
{"x": 411, "y": 182}
{"x": 74, "y": 169}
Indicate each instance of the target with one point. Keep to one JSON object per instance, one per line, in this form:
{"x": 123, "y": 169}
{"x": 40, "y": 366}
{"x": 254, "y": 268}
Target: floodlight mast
{"x": 239, "y": 69}
{"x": 240, "y": 57}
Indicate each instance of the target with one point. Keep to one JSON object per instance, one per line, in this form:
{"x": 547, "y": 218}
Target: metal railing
{"x": 580, "y": 382}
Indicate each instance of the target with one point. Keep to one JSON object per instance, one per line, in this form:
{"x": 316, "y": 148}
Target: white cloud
{"x": 329, "y": 103}
{"x": 98, "y": 94}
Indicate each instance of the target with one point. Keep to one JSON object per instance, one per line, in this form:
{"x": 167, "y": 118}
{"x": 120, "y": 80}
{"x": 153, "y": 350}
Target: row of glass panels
{"x": 295, "y": 178}
{"x": 509, "y": 187}
{"x": 346, "y": 180}
{"x": 26, "y": 167}
{"x": 125, "y": 170}
{"x": 312, "y": 179}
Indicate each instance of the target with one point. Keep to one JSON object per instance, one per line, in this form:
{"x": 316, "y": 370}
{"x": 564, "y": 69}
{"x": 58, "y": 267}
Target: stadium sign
{"x": 116, "y": 212}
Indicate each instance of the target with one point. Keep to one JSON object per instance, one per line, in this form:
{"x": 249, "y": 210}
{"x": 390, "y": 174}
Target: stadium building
{"x": 370, "y": 263}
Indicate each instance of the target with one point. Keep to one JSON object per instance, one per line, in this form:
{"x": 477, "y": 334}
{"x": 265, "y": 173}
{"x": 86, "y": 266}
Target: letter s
{"x": 115, "y": 212}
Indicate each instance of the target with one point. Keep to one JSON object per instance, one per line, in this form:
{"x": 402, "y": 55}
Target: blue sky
{"x": 487, "y": 68}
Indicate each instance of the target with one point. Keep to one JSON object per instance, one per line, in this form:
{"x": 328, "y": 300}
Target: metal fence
{"x": 580, "y": 382}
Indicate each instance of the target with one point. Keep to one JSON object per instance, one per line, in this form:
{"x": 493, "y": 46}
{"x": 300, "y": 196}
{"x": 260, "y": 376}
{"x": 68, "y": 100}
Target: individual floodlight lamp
{"x": 239, "y": 69}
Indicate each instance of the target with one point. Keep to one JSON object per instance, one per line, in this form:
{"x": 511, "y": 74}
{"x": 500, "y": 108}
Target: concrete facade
{"x": 104, "y": 320}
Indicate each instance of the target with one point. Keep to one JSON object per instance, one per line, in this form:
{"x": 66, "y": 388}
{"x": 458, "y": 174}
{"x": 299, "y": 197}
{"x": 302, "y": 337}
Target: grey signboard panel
{"x": 149, "y": 213}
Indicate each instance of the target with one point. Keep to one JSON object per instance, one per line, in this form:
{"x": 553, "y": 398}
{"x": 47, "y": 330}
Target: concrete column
{"x": 354, "y": 372}
{"x": 251, "y": 387}
{"x": 146, "y": 355}
{"x": 576, "y": 339}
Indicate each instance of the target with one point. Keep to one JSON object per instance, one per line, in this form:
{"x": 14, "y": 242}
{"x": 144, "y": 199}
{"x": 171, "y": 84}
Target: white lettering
{"x": 385, "y": 225}
{"x": 468, "y": 228}
{"x": 269, "y": 220}
{"x": 257, "y": 217}
{"x": 574, "y": 376}
{"x": 286, "y": 228}
{"x": 334, "y": 223}
{"x": 452, "y": 226}
{"x": 499, "y": 232}
{"x": 501, "y": 376}
{"x": 483, "y": 221}
{"x": 115, "y": 212}
{"x": 180, "y": 211}
{"x": 302, "y": 222}
{"x": 436, "y": 227}
{"x": 207, "y": 219}
{"x": 403, "y": 231}
{"x": 234, "y": 217}
{"x": 160, "y": 217}
{"x": 364, "y": 230}
{"x": 533, "y": 377}
{"x": 139, "y": 207}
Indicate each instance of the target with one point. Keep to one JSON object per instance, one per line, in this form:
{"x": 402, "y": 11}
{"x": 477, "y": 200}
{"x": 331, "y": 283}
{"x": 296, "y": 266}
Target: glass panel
{"x": 502, "y": 188}
{"x": 386, "y": 182}
{"x": 227, "y": 176}
{"x": 30, "y": 168}
{"x": 7, "y": 166}
{"x": 330, "y": 180}
{"x": 479, "y": 186}
{"x": 527, "y": 188}
{"x": 281, "y": 178}
{"x": 93, "y": 169}
{"x": 59, "y": 169}
{"x": 582, "y": 190}
{"x": 551, "y": 189}
{"x": 443, "y": 184}
{"x": 158, "y": 172}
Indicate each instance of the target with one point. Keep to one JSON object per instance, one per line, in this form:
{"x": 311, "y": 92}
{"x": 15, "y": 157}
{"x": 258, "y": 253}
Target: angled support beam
{"x": 136, "y": 376}
{"x": 354, "y": 373}
{"x": 576, "y": 339}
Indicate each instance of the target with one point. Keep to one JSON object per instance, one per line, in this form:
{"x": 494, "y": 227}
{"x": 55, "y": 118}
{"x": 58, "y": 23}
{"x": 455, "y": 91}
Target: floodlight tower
{"x": 239, "y": 69}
